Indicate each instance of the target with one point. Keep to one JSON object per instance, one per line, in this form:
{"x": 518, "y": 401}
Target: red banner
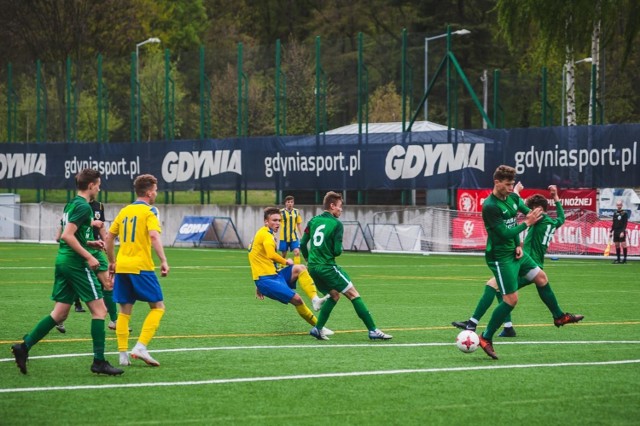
{"x": 470, "y": 200}
{"x": 583, "y": 234}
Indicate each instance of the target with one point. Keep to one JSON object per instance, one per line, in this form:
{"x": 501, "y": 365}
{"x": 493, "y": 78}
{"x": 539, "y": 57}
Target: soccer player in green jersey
{"x": 503, "y": 254}
{"x": 535, "y": 245}
{"x": 74, "y": 276}
{"x": 324, "y": 232}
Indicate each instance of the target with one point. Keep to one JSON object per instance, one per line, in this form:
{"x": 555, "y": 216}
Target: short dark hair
{"x": 268, "y": 211}
{"x": 504, "y": 173}
{"x": 85, "y": 177}
{"x": 288, "y": 197}
{"x": 330, "y": 198}
{"x": 537, "y": 200}
{"x": 143, "y": 183}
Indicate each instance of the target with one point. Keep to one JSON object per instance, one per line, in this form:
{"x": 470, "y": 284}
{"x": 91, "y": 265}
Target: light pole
{"x": 564, "y": 86}
{"x": 426, "y": 64}
{"x": 149, "y": 40}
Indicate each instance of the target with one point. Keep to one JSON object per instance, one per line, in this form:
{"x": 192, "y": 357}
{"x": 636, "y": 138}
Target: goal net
{"x": 444, "y": 231}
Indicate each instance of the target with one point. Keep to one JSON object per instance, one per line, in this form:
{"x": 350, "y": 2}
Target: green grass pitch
{"x": 228, "y": 358}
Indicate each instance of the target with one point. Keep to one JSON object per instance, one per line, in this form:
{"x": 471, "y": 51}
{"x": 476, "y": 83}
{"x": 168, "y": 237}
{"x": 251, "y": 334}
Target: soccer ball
{"x": 467, "y": 341}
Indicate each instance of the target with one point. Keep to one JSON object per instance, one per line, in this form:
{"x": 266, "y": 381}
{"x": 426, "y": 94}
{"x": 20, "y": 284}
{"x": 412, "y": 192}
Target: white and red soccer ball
{"x": 467, "y": 341}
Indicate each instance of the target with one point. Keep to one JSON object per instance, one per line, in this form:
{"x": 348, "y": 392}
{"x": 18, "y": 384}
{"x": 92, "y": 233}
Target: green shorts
{"x": 101, "y": 256}
{"x": 73, "y": 280}
{"x": 510, "y": 273}
{"x": 327, "y": 277}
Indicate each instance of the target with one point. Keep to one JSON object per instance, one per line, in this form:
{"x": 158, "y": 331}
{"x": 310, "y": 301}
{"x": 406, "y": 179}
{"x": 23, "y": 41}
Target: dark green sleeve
{"x": 337, "y": 239}
{"x": 492, "y": 217}
{"x": 560, "y": 215}
{"x": 303, "y": 243}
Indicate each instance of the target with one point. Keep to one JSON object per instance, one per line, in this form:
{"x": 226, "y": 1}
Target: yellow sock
{"x": 296, "y": 259}
{"x": 306, "y": 314}
{"x": 150, "y": 326}
{"x": 122, "y": 331}
{"x": 307, "y": 284}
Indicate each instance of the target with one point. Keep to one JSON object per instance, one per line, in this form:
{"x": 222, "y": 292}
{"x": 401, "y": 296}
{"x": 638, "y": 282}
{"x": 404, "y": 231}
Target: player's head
{"x": 504, "y": 178}
{"x": 332, "y": 203}
{"x": 146, "y": 186}
{"x": 619, "y": 205}
{"x": 88, "y": 180}
{"x": 537, "y": 200}
{"x": 288, "y": 202}
{"x": 272, "y": 218}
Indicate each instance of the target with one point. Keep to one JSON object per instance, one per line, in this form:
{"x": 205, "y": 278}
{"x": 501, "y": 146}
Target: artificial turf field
{"x": 228, "y": 358}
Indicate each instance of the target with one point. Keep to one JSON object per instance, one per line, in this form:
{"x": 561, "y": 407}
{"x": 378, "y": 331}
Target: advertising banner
{"x": 470, "y": 200}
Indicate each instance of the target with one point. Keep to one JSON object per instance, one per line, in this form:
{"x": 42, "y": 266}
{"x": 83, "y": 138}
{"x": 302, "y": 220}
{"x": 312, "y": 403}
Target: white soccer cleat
{"x": 318, "y": 334}
{"x": 317, "y": 302}
{"x": 112, "y": 325}
{"x": 327, "y": 332}
{"x": 377, "y": 334}
{"x": 124, "y": 358}
{"x": 143, "y": 354}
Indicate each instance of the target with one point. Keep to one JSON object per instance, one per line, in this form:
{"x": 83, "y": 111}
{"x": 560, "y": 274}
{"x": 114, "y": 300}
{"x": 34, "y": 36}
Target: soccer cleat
{"x": 140, "y": 353}
{"x": 102, "y": 366}
{"x": 624, "y": 261}
{"x": 21, "y": 354}
{"x": 567, "y": 318}
{"x": 327, "y": 332}
{"x": 318, "y": 334}
{"x": 60, "y": 328}
{"x": 124, "y": 358}
{"x": 487, "y": 347}
{"x": 377, "y": 334}
{"x": 465, "y": 325}
{"x": 318, "y": 302}
{"x": 79, "y": 308}
{"x": 508, "y": 332}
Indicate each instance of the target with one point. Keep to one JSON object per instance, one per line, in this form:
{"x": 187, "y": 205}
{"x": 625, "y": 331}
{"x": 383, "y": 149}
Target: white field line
{"x": 317, "y": 376}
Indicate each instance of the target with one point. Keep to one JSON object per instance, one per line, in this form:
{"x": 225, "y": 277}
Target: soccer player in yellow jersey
{"x": 290, "y": 229}
{"x": 280, "y": 285}
{"x": 138, "y": 228}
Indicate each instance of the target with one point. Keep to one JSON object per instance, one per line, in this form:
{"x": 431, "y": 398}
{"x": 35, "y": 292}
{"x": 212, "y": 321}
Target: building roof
{"x": 396, "y": 127}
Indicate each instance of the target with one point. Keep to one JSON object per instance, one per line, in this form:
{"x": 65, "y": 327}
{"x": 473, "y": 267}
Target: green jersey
{"x": 79, "y": 212}
{"x": 539, "y": 236}
{"x": 325, "y": 233}
{"x": 503, "y": 231}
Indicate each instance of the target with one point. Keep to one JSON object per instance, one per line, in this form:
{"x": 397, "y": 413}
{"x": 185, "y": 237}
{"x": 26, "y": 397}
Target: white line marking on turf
{"x": 318, "y": 376}
{"x": 330, "y": 346}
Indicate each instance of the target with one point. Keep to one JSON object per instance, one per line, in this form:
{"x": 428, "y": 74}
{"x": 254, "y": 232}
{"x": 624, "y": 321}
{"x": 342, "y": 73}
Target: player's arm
{"x": 337, "y": 239}
{"x": 69, "y": 237}
{"x": 559, "y": 221}
{"x": 156, "y": 243}
{"x": 59, "y": 232}
{"x": 270, "y": 251}
{"x": 303, "y": 243}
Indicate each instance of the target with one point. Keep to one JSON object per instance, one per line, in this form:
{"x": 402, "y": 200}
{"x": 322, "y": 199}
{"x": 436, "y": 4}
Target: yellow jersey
{"x": 263, "y": 255}
{"x": 132, "y": 225}
{"x": 289, "y": 225}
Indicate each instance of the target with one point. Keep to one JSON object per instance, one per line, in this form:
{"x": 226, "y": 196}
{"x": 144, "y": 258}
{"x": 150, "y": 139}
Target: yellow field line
{"x": 218, "y": 336}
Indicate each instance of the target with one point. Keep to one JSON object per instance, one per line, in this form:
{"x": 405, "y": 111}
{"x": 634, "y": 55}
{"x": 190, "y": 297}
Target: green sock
{"x": 499, "y": 298}
{"x": 549, "y": 298}
{"x": 363, "y": 313}
{"x": 497, "y": 318}
{"x": 325, "y": 312}
{"x": 98, "y": 334}
{"x": 485, "y": 302}
{"x": 110, "y": 304}
{"x": 39, "y": 331}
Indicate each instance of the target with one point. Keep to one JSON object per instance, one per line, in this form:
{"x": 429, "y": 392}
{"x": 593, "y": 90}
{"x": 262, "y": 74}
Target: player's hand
{"x": 99, "y": 244}
{"x": 518, "y": 252}
{"x": 164, "y": 269}
{"x": 533, "y": 216}
{"x": 259, "y": 295}
{"x": 93, "y": 263}
{"x": 553, "y": 190}
{"x": 289, "y": 261}
{"x": 519, "y": 187}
